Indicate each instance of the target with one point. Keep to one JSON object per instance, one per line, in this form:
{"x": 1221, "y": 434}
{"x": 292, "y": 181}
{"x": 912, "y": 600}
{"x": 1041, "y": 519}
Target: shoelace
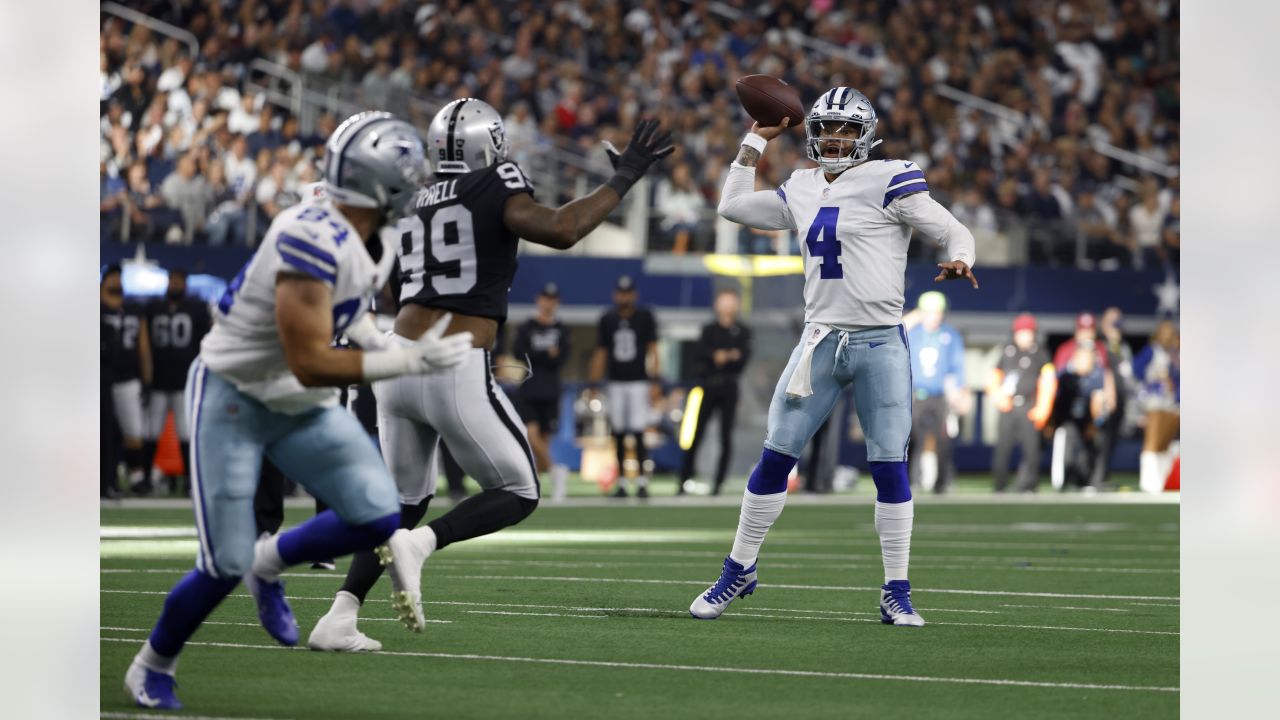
{"x": 900, "y": 601}
{"x": 728, "y": 582}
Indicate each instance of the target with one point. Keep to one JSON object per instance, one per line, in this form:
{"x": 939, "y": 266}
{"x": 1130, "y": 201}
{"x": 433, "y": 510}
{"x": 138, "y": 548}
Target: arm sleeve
{"x": 923, "y": 213}
{"x": 741, "y": 203}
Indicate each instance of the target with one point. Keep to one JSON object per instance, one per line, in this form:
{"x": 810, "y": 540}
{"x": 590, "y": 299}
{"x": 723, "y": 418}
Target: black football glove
{"x": 648, "y": 145}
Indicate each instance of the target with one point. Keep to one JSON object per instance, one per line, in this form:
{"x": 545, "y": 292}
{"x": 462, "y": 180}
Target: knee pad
{"x": 770, "y": 474}
{"x": 892, "y": 483}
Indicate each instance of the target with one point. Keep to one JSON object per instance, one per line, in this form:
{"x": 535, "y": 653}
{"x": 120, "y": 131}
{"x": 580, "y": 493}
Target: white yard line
{"x": 650, "y": 581}
{"x": 708, "y": 668}
{"x": 154, "y": 716}
{"x": 1066, "y": 607}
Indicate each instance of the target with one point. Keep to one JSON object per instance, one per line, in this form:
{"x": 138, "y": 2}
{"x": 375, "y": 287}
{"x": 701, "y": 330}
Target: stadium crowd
{"x": 190, "y": 155}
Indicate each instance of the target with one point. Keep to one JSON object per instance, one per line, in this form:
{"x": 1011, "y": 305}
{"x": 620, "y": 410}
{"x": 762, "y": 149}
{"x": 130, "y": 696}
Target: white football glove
{"x": 432, "y": 353}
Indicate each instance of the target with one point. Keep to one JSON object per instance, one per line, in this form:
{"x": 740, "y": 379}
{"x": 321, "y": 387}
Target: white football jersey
{"x": 853, "y": 240}
{"x": 314, "y": 239}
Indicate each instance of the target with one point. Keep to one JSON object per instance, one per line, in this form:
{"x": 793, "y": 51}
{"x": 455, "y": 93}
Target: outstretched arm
{"x": 740, "y": 201}
{"x": 563, "y": 227}
{"x": 923, "y": 213}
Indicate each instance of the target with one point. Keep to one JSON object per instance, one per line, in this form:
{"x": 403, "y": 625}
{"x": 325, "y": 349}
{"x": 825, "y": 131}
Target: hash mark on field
{"x": 708, "y": 668}
{"x": 1064, "y": 607}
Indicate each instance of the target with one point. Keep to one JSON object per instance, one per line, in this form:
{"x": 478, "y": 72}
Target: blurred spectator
{"x": 543, "y": 342}
{"x": 112, "y": 200}
{"x": 937, "y": 379}
{"x": 1084, "y": 400}
{"x": 722, "y": 353}
{"x": 1147, "y": 219}
{"x": 1096, "y": 223}
{"x": 1120, "y": 360}
{"x": 1021, "y": 387}
{"x": 1158, "y": 371}
{"x": 681, "y": 205}
{"x": 186, "y": 191}
{"x": 1170, "y": 237}
{"x": 975, "y": 213}
{"x": 227, "y": 221}
{"x": 149, "y": 218}
{"x": 1086, "y": 333}
{"x": 265, "y": 135}
{"x": 131, "y": 368}
{"x": 276, "y": 191}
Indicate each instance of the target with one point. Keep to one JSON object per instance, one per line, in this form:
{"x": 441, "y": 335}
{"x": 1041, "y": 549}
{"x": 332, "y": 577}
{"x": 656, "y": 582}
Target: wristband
{"x": 620, "y": 184}
{"x": 383, "y": 364}
{"x": 755, "y": 142}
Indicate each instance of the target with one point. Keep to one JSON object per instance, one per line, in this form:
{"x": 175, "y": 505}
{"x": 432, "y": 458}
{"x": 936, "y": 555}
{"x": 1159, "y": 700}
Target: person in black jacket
{"x": 543, "y": 341}
{"x": 723, "y": 351}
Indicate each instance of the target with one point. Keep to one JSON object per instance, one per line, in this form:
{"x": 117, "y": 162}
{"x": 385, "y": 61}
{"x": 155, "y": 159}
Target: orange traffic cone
{"x": 168, "y": 452}
{"x": 1173, "y": 482}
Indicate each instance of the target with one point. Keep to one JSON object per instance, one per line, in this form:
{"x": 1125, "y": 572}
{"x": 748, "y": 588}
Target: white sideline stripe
{"x": 858, "y": 588}
{"x": 1155, "y": 604}
{"x": 749, "y": 613}
{"x": 535, "y": 614}
{"x": 828, "y": 615}
{"x": 155, "y": 716}
{"x": 562, "y": 578}
{"x": 708, "y": 668}
{"x": 1065, "y": 607}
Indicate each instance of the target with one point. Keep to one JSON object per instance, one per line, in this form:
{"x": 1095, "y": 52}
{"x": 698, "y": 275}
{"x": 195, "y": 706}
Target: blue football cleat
{"x": 151, "y": 689}
{"x": 273, "y": 609}
{"x": 895, "y": 605}
{"x": 735, "y": 582}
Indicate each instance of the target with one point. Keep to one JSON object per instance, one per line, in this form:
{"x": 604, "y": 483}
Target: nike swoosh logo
{"x": 875, "y": 344}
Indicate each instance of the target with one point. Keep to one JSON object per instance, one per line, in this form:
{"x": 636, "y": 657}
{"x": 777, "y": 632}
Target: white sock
{"x": 893, "y": 524}
{"x": 267, "y": 563}
{"x": 153, "y": 660}
{"x": 559, "y": 482}
{"x": 1149, "y": 479}
{"x": 758, "y": 515}
{"x": 425, "y": 538}
{"x": 928, "y": 470}
{"x": 346, "y": 607}
{"x": 642, "y": 481}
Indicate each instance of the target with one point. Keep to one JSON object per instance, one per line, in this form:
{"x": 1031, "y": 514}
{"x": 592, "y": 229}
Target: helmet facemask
{"x": 838, "y": 142}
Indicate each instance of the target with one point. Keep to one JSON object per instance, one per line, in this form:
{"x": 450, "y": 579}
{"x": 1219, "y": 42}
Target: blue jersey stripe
{"x": 911, "y": 187}
{"x": 309, "y": 268}
{"x": 306, "y": 248}
{"x": 910, "y": 175}
{"x": 782, "y": 194}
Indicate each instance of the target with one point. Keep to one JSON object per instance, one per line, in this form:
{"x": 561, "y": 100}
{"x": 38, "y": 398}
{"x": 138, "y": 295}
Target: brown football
{"x": 768, "y": 100}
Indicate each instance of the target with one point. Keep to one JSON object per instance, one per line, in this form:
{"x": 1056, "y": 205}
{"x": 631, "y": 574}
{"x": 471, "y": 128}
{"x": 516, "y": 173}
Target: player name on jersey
{"x": 438, "y": 193}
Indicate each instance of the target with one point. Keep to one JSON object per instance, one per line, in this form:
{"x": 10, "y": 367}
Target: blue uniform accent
{"x": 327, "y": 536}
{"x": 306, "y": 248}
{"x": 324, "y": 449}
{"x": 781, "y": 193}
{"x": 187, "y": 605}
{"x": 160, "y": 690}
{"x": 303, "y": 262}
{"x": 770, "y": 475}
{"x": 893, "y": 485}
{"x": 881, "y": 379}
{"x": 937, "y": 358}
{"x": 914, "y": 183}
{"x": 273, "y": 609}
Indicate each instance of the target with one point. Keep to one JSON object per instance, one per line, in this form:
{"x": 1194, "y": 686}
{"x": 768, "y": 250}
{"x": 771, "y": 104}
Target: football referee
{"x": 722, "y": 353}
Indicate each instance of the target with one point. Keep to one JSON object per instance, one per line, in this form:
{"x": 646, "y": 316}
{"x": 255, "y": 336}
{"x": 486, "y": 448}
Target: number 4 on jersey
{"x": 822, "y": 243}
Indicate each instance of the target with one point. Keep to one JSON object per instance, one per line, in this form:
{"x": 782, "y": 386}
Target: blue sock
{"x": 892, "y": 483}
{"x": 770, "y": 474}
{"x": 327, "y": 536}
{"x": 188, "y": 604}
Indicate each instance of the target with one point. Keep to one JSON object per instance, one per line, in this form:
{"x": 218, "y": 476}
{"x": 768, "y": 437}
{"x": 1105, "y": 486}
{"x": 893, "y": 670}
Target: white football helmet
{"x": 466, "y": 135}
{"x": 840, "y": 107}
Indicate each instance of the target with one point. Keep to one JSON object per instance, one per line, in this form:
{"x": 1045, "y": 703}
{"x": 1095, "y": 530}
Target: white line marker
{"x": 534, "y": 614}
{"x": 1065, "y": 607}
{"x": 785, "y": 586}
{"x": 154, "y": 716}
{"x": 709, "y": 668}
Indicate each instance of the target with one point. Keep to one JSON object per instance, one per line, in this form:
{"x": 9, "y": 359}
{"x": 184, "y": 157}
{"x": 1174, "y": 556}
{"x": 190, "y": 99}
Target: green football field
{"x": 1044, "y": 607}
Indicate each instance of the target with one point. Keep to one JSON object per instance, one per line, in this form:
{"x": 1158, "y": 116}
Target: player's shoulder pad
{"x": 309, "y": 239}
{"x": 798, "y": 181}
{"x": 901, "y": 178}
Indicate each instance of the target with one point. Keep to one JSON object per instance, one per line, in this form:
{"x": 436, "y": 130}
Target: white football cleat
{"x": 336, "y": 631}
{"x": 403, "y": 559}
{"x": 895, "y": 605}
{"x": 735, "y": 582}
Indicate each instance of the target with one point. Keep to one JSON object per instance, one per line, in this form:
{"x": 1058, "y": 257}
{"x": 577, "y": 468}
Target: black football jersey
{"x": 1021, "y": 369}
{"x": 176, "y": 329}
{"x": 126, "y": 322}
{"x": 626, "y": 341}
{"x": 455, "y": 252}
{"x": 535, "y": 341}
